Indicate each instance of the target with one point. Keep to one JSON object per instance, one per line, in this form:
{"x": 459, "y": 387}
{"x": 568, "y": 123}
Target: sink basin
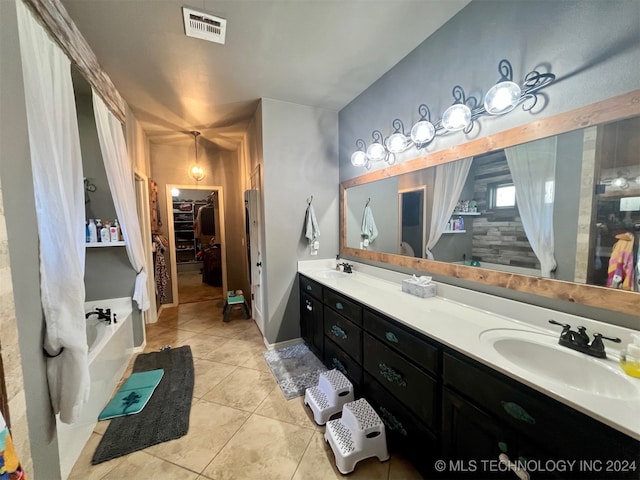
{"x": 539, "y": 354}
{"x": 328, "y": 274}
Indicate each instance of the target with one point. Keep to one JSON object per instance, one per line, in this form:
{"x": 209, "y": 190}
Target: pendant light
{"x": 196, "y": 171}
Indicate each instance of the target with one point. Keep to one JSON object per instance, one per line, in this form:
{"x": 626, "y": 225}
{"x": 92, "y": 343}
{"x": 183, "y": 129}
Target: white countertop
{"x": 457, "y": 317}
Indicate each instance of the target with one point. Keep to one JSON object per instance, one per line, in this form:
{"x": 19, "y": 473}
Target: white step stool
{"x": 359, "y": 434}
{"x": 329, "y": 396}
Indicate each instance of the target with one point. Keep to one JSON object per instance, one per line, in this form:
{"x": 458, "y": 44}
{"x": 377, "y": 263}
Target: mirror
{"x": 590, "y": 200}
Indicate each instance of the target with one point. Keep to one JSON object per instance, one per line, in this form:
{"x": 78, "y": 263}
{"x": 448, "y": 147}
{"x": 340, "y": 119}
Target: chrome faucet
{"x": 579, "y": 340}
{"x": 102, "y": 314}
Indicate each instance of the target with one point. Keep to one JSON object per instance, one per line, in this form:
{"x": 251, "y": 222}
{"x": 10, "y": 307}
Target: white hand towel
{"x": 312, "y": 230}
{"x": 369, "y": 228}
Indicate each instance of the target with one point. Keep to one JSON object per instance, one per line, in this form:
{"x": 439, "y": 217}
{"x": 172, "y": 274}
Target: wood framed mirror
{"x": 592, "y": 120}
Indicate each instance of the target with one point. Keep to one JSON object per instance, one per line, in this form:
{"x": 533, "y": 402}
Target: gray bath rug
{"x": 295, "y": 367}
{"x": 166, "y": 415}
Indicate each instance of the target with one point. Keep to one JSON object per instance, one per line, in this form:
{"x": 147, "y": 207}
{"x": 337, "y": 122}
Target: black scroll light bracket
{"x": 88, "y": 188}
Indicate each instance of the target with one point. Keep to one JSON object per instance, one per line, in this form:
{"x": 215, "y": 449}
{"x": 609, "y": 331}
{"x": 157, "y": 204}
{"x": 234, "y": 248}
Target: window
{"x": 503, "y": 195}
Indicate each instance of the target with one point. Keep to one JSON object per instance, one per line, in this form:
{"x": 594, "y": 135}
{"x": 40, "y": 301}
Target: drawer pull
{"x": 391, "y": 337}
{"x": 517, "y": 412}
{"x": 338, "y": 332}
{"x": 392, "y": 422}
{"x": 520, "y": 472}
{"x": 309, "y": 288}
{"x": 391, "y": 375}
{"x": 339, "y": 306}
{"x": 337, "y": 364}
{"x": 310, "y": 308}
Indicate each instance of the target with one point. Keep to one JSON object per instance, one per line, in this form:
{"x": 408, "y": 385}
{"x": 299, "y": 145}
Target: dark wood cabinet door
{"x": 311, "y": 323}
{"x": 472, "y": 441}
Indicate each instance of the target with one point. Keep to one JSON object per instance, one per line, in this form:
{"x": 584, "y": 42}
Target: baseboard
{"x": 286, "y": 343}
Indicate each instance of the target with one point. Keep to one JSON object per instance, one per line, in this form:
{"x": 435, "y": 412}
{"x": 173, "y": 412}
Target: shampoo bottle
{"x": 99, "y": 229}
{"x": 105, "y": 234}
{"x": 93, "y": 232}
{"x": 115, "y": 231}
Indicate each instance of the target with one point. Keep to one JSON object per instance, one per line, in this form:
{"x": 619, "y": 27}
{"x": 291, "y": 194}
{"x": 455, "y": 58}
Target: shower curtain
{"x": 449, "y": 182}
{"x": 533, "y": 169}
{"x": 59, "y": 197}
{"x": 121, "y": 183}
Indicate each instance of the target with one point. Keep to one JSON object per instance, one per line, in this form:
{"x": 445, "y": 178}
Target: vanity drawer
{"x": 416, "y": 389}
{"x": 535, "y": 416}
{"x": 335, "y": 357}
{"x": 309, "y": 286}
{"x": 410, "y": 345}
{"x": 405, "y": 433}
{"x": 344, "y": 333}
{"x": 344, "y": 306}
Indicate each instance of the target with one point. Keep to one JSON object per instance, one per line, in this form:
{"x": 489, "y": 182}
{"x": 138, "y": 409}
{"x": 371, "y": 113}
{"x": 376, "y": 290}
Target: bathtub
{"x": 110, "y": 347}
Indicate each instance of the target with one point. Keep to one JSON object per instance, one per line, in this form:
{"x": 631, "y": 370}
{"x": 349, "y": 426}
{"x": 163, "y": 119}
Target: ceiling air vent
{"x": 204, "y": 26}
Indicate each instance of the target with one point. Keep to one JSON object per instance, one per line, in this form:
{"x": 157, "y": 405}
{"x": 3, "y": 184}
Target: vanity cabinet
{"x": 486, "y": 413}
{"x": 437, "y": 403}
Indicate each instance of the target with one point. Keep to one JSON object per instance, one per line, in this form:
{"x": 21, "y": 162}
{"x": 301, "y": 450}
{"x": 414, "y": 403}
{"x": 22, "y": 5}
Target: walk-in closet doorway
{"x": 198, "y": 268}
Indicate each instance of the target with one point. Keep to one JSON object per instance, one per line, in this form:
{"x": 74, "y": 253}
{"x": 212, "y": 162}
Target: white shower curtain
{"x": 59, "y": 197}
{"x": 533, "y": 169}
{"x": 122, "y": 185}
{"x": 449, "y": 182}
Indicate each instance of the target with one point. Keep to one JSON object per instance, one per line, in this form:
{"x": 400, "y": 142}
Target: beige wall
{"x": 10, "y": 351}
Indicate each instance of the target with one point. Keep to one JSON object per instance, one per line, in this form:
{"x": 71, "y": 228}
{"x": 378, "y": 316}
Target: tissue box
{"x": 422, "y": 291}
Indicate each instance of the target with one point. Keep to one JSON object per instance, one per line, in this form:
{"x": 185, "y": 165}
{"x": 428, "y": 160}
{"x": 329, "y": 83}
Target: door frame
{"x": 172, "y": 241}
{"x": 419, "y": 188}
{"x": 144, "y": 218}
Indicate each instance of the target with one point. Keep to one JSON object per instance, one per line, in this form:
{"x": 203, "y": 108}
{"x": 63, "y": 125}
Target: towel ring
{"x": 52, "y": 356}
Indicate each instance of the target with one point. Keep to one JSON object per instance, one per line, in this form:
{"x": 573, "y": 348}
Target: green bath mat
{"x": 133, "y": 395}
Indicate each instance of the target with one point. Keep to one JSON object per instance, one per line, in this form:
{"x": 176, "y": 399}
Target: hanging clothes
{"x": 621, "y": 265}
{"x": 160, "y": 244}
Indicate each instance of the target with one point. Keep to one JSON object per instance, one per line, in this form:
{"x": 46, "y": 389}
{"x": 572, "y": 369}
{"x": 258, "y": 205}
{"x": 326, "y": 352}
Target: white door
{"x": 252, "y": 199}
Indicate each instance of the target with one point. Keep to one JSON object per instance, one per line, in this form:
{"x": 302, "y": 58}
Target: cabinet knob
{"x": 339, "y": 306}
{"x": 390, "y": 375}
{"x": 392, "y": 422}
{"x": 338, "y": 332}
{"x": 517, "y": 412}
{"x": 337, "y": 364}
{"x": 391, "y": 337}
{"x": 309, "y": 288}
{"x": 520, "y": 472}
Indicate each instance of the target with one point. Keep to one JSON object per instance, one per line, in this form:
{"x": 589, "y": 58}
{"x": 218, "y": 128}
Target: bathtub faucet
{"x": 102, "y": 314}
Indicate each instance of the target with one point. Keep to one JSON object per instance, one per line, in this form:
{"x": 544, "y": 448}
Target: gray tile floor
{"x": 241, "y": 426}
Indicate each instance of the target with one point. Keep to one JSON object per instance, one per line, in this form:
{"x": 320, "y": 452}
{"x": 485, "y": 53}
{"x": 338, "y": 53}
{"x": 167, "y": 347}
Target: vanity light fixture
{"x": 397, "y": 142}
{"x": 458, "y": 116}
{"x": 505, "y": 95}
{"x": 376, "y": 151}
{"x": 423, "y": 131}
{"x": 359, "y": 157}
{"x": 500, "y": 99}
{"x": 196, "y": 171}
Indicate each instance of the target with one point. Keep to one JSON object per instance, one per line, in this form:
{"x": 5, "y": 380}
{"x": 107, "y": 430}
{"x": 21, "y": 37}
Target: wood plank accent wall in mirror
{"x": 616, "y": 108}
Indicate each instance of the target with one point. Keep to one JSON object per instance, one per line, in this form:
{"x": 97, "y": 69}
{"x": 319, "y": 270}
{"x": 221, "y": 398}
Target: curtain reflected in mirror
{"x": 575, "y": 215}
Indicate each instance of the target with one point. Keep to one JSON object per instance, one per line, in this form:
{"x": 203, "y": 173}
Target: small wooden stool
{"x": 235, "y": 298}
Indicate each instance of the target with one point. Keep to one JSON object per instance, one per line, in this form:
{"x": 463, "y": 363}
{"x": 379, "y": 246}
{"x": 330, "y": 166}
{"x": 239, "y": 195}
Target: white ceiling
{"x": 321, "y": 53}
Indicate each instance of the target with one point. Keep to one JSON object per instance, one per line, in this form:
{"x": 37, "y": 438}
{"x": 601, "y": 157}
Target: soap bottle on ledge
{"x": 93, "y": 232}
{"x": 114, "y": 231}
{"x": 630, "y": 358}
